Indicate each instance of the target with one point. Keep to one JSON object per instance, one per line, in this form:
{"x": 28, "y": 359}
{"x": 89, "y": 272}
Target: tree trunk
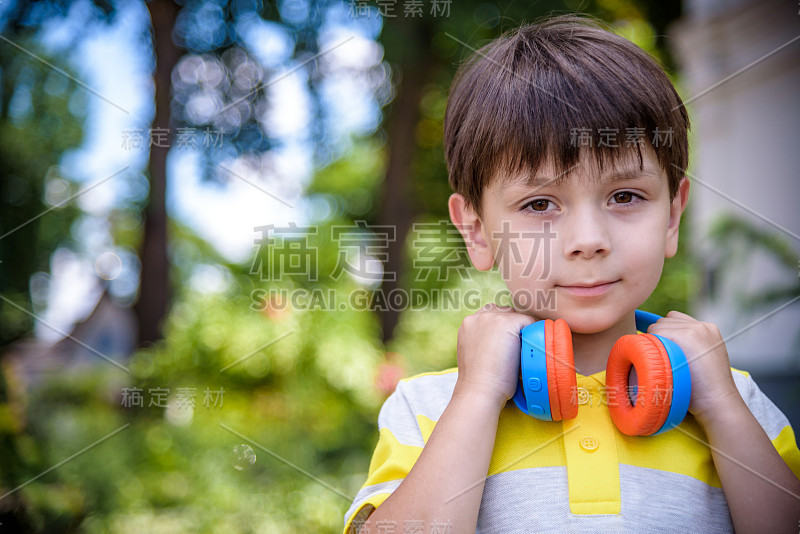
{"x": 396, "y": 208}
{"x": 154, "y": 287}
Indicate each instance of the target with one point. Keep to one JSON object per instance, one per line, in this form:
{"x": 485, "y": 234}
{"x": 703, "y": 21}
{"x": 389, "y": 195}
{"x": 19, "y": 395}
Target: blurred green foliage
{"x": 41, "y": 116}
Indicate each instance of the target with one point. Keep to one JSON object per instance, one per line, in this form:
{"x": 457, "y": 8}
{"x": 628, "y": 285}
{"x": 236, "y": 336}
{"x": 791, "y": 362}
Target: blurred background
{"x": 224, "y": 238}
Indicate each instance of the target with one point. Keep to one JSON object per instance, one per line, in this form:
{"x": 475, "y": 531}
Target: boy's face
{"x": 547, "y": 239}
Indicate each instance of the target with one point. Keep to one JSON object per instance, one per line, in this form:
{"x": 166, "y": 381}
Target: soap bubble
{"x": 243, "y": 456}
{"x": 108, "y": 265}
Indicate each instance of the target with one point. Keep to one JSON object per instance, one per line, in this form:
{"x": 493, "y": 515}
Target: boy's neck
{"x": 591, "y": 351}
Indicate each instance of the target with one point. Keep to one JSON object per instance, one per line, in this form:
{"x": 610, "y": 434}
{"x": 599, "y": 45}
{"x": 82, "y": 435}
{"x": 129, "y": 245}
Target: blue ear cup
{"x": 532, "y": 392}
{"x": 545, "y": 358}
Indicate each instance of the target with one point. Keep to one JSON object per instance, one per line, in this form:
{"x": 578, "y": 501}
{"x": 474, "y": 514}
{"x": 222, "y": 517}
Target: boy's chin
{"x": 577, "y": 325}
{"x": 592, "y": 322}
{"x": 585, "y": 328}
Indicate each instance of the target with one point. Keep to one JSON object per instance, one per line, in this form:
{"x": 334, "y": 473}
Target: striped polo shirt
{"x": 581, "y": 475}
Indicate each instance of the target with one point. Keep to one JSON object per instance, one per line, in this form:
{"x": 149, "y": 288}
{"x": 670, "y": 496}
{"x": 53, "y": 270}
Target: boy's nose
{"x": 586, "y": 235}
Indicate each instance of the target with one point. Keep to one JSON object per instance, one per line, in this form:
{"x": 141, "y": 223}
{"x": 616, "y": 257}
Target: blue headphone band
{"x": 645, "y": 319}
{"x": 532, "y": 396}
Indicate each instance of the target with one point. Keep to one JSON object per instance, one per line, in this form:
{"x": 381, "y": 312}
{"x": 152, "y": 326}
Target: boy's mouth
{"x": 589, "y": 289}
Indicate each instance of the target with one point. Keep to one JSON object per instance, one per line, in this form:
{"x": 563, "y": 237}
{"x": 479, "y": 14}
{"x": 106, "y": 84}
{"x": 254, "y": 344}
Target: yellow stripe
{"x": 745, "y": 373}
{"x": 391, "y": 460}
{"x": 432, "y": 373}
{"x": 425, "y": 426}
{"x": 523, "y": 442}
{"x": 786, "y": 445}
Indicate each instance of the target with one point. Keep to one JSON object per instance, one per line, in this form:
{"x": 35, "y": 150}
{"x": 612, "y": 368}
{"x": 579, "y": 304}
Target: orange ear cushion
{"x": 561, "y": 379}
{"x": 654, "y": 372}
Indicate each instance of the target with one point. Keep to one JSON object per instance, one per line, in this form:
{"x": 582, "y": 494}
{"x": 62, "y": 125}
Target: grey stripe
{"x": 651, "y": 501}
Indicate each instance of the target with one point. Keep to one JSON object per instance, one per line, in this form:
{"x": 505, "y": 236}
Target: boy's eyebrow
{"x": 628, "y": 173}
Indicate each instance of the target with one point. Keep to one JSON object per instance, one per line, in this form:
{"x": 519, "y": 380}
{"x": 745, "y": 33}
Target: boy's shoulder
{"x": 420, "y": 400}
{"x": 432, "y": 391}
{"x": 429, "y": 393}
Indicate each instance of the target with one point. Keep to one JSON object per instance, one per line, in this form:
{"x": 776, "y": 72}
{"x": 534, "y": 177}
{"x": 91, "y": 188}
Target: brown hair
{"x": 527, "y": 96}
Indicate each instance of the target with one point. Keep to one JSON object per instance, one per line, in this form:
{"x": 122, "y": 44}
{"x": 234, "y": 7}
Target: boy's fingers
{"x": 495, "y": 307}
{"x": 678, "y": 315}
{"x": 672, "y": 319}
{"x": 511, "y": 309}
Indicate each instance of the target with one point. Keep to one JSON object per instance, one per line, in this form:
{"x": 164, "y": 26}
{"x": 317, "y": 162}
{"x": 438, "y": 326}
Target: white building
{"x": 740, "y": 63}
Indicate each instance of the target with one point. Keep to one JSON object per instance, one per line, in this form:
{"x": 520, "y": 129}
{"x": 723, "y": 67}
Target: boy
{"x": 544, "y": 193}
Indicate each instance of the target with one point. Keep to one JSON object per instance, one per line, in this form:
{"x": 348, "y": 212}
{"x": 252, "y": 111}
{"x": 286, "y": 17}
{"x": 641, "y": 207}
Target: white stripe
{"x": 769, "y": 416}
{"x": 430, "y": 394}
{"x": 398, "y": 416}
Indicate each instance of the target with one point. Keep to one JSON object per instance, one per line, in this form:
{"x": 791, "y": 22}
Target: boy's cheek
{"x": 526, "y": 275}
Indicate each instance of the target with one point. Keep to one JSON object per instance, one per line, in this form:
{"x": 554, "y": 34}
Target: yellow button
{"x": 583, "y": 395}
{"x": 589, "y": 444}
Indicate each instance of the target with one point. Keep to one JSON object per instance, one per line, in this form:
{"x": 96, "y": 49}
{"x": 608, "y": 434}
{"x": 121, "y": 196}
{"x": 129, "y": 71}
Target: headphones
{"x": 548, "y": 381}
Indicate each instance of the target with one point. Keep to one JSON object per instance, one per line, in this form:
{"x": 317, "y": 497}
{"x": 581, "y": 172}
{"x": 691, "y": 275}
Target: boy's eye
{"x": 540, "y": 204}
{"x": 628, "y": 197}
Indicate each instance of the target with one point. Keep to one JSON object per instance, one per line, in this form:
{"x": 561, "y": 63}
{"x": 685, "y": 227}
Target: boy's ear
{"x": 472, "y": 230}
{"x": 675, "y": 212}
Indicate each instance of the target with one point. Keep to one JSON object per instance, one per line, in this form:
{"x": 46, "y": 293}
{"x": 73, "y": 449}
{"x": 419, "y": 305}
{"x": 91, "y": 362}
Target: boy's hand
{"x": 488, "y": 352}
{"x": 712, "y": 382}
